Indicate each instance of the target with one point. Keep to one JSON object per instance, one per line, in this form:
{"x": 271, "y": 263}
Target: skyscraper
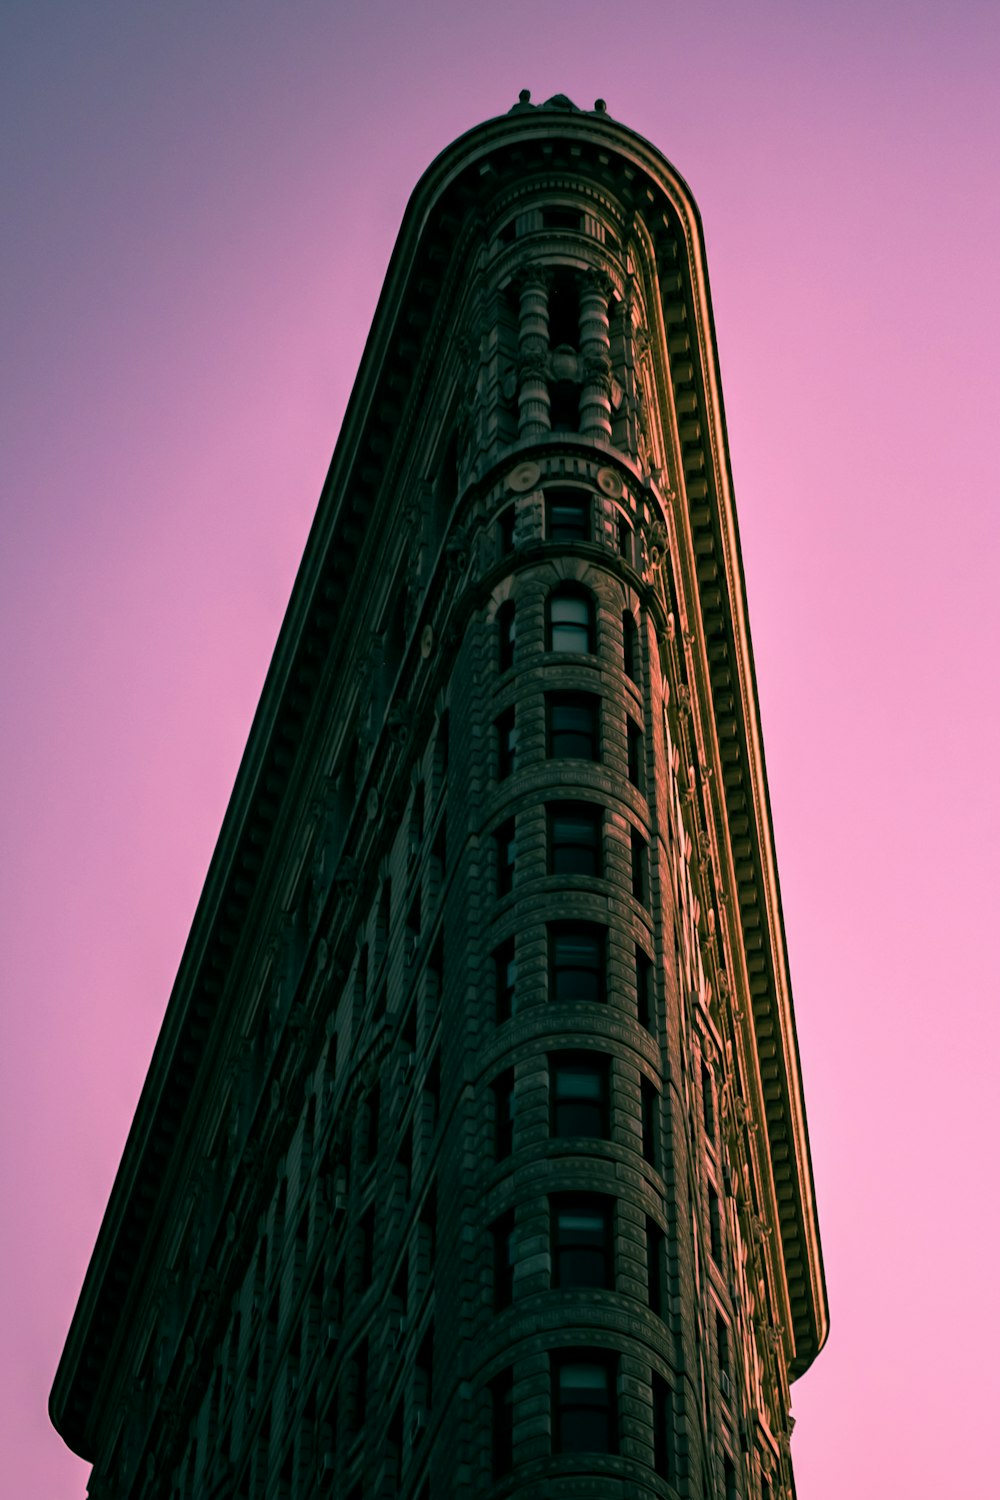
{"x": 472, "y": 1158}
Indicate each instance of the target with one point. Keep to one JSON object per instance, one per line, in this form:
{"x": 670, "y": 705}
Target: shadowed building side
{"x": 472, "y": 1158}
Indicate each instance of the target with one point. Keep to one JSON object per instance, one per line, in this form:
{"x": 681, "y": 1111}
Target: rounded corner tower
{"x": 472, "y": 1160}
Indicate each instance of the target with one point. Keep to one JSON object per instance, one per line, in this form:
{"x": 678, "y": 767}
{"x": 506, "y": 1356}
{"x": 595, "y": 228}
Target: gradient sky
{"x": 199, "y": 202}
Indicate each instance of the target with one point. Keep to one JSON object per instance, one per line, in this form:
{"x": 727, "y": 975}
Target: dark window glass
{"x": 503, "y": 1114}
{"x": 729, "y": 1469}
{"x": 664, "y": 1451}
{"x": 507, "y": 625}
{"x": 576, "y": 961}
{"x": 564, "y": 406}
{"x": 571, "y": 622}
{"x": 580, "y": 1095}
{"x": 502, "y": 1233}
{"x": 417, "y": 819}
{"x": 506, "y": 522}
{"x": 625, "y": 539}
{"x": 635, "y": 754}
{"x": 369, "y": 1142}
{"x": 384, "y": 918}
{"x": 650, "y": 1121}
{"x": 502, "y": 1422}
{"x": 714, "y": 1226}
{"x": 506, "y": 847}
{"x": 505, "y": 963}
{"x": 562, "y": 218}
{"x": 442, "y": 743}
{"x": 567, "y": 516}
{"x": 506, "y": 729}
{"x": 722, "y": 1349}
{"x": 581, "y": 1242}
{"x": 367, "y": 1236}
{"x": 571, "y": 721}
{"x": 708, "y": 1100}
{"x": 643, "y": 989}
{"x": 361, "y": 1386}
{"x": 432, "y": 1091}
{"x": 564, "y": 311}
{"x": 574, "y": 838}
{"x": 583, "y": 1402}
{"x": 656, "y": 1267}
{"x": 640, "y": 867}
{"x": 425, "y": 1370}
{"x": 630, "y": 645}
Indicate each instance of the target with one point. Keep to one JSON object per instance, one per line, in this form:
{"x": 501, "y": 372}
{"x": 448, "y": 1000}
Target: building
{"x": 472, "y": 1158}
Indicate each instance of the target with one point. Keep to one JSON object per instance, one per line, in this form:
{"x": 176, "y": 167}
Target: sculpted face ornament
{"x": 656, "y": 546}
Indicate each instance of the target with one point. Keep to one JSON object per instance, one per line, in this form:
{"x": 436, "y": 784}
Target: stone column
{"x": 595, "y": 357}
{"x": 534, "y": 417}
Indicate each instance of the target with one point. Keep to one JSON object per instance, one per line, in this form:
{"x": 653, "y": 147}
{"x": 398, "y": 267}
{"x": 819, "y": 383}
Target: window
{"x": 572, "y": 726}
{"x": 634, "y": 754}
{"x": 503, "y": 1114}
{"x": 366, "y": 1234}
{"x": 564, "y": 406}
{"x": 562, "y": 218}
{"x": 425, "y": 1371}
{"x": 505, "y": 839}
{"x": 626, "y": 539}
{"x": 502, "y": 1422}
{"x": 505, "y": 966}
{"x": 567, "y": 515}
{"x": 564, "y": 310}
{"x": 502, "y": 1234}
{"x": 630, "y": 645}
{"x": 432, "y": 1092}
{"x": 729, "y": 1473}
{"x": 507, "y": 626}
{"x": 579, "y": 1095}
{"x": 369, "y": 1140}
{"x": 441, "y": 747}
{"x": 722, "y": 1349}
{"x": 571, "y": 621}
{"x": 506, "y": 729}
{"x": 656, "y": 1267}
{"x": 506, "y": 521}
{"x": 574, "y": 838}
{"x": 576, "y": 961}
{"x": 708, "y": 1100}
{"x": 581, "y": 1242}
{"x": 664, "y": 1449}
{"x": 417, "y": 819}
{"x": 714, "y": 1226}
{"x": 640, "y": 867}
{"x": 360, "y": 1385}
{"x": 644, "y": 999}
{"x": 583, "y": 1402}
{"x": 383, "y": 920}
{"x": 650, "y": 1122}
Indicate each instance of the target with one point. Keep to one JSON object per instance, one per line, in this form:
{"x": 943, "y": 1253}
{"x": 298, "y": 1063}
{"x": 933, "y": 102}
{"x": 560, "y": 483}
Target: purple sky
{"x": 199, "y": 202}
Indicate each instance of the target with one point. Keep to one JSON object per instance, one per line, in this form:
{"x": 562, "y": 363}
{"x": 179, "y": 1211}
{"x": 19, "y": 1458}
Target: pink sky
{"x": 199, "y": 205}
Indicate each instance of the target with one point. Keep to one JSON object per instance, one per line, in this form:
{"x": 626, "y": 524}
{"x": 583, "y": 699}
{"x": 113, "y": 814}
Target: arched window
{"x": 571, "y": 621}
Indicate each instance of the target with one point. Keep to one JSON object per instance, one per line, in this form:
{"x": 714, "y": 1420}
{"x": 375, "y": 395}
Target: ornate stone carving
{"x": 656, "y": 540}
{"x": 399, "y": 722}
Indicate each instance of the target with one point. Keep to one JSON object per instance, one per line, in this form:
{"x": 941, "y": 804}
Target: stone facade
{"x": 472, "y": 1158}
